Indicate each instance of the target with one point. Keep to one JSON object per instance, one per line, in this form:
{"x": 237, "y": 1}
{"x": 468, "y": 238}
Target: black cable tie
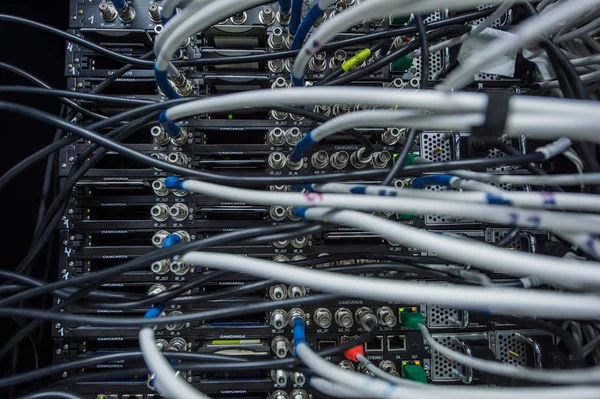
{"x": 496, "y": 114}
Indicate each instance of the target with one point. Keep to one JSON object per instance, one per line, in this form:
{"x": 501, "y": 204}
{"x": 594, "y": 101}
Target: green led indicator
{"x": 230, "y": 116}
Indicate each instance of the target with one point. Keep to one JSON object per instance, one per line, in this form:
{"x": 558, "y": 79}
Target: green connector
{"x": 414, "y": 372}
{"x": 410, "y": 159}
{"x": 403, "y": 216}
{"x": 411, "y": 320}
{"x": 402, "y": 64}
{"x": 399, "y": 19}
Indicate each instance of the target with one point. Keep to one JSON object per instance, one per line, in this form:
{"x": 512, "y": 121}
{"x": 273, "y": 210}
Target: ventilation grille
{"x": 437, "y": 61}
{"x": 496, "y": 153}
{"x": 438, "y": 316}
{"x": 443, "y": 369}
{"x": 436, "y": 147}
{"x": 518, "y": 243}
{"x": 506, "y": 18}
{"x": 507, "y": 343}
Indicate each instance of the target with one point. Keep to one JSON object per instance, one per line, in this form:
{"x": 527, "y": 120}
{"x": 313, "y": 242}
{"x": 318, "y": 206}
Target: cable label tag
{"x": 503, "y": 65}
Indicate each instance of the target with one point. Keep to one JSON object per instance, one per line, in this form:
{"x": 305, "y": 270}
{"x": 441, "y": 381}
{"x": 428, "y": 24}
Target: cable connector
{"x": 299, "y": 332}
{"x": 553, "y": 149}
{"x": 411, "y": 320}
{"x": 174, "y": 183}
{"x": 154, "y": 311}
{"x": 437, "y": 180}
{"x": 358, "y": 59}
{"x": 171, "y": 240}
{"x": 303, "y": 145}
{"x": 353, "y": 352}
{"x": 299, "y": 212}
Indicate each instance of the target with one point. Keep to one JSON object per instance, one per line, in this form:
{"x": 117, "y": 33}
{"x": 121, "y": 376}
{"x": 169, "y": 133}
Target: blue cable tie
{"x": 358, "y": 190}
{"x": 437, "y": 180}
{"x": 497, "y": 200}
{"x": 303, "y": 145}
{"x": 163, "y": 82}
{"x": 154, "y": 311}
{"x": 119, "y": 4}
{"x": 296, "y": 16}
{"x": 174, "y": 182}
{"x": 300, "y": 212}
{"x": 170, "y": 127}
{"x": 285, "y": 5}
{"x": 171, "y": 240}
{"x": 307, "y": 23}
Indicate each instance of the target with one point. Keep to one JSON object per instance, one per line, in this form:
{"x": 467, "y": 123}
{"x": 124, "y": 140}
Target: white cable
{"x": 577, "y": 32}
{"x": 489, "y": 21}
{"x": 579, "y": 376}
{"x": 166, "y": 382}
{"x": 546, "y": 200}
{"x": 550, "y": 180}
{"x": 463, "y": 102}
{"x": 574, "y": 157}
{"x": 559, "y": 222}
{"x": 211, "y": 13}
{"x": 506, "y": 301}
{"x": 525, "y": 32}
{"x": 472, "y": 185}
{"x": 592, "y": 59}
{"x": 486, "y": 257}
{"x": 335, "y": 390}
{"x": 367, "y": 10}
{"x": 587, "y": 78}
{"x": 382, "y": 389}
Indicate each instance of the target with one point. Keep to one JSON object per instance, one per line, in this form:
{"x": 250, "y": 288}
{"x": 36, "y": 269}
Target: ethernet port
{"x": 374, "y": 345}
{"x": 325, "y": 344}
{"x": 396, "y": 343}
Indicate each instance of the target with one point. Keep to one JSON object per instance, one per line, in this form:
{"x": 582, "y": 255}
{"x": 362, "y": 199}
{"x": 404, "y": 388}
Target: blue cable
{"x": 299, "y": 332}
{"x": 154, "y": 311}
{"x": 170, "y": 126}
{"x": 119, "y": 4}
{"x": 307, "y": 23}
{"x": 296, "y": 16}
{"x": 303, "y": 145}
{"x": 284, "y": 5}
{"x": 171, "y": 240}
{"x": 174, "y": 182}
{"x": 437, "y": 180}
{"x": 163, "y": 82}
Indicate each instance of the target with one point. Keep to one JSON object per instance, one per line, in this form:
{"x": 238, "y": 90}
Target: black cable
{"x": 91, "y": 361}
{"x": 424, "y": 42}
{"x": 509, "y": 237}
{"x": 148, "y": 258}
{"x": 410, "y": 170}
{"x": 119, "y": 73}
{"x": 48, "y": 91}
{"x": 214, "y": 314}
{"x": 286, "y": 363}
{"x": 401, "y": 52}
{"x": 37, "y": 81}
{"x": 577, "y": 358}
{"x": 245, "y": 59}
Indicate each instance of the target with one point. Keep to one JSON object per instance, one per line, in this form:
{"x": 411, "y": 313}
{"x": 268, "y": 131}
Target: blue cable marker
{"x": 497, "y": 200}
{"x": 296, "y": 16}
{"x": 163, "y": 83}
{"x": 171, "y": 240}
{"x": 170, "y": 127}
{"x": 437, "y": 180}
{"x": 303, "y": 145}
{"x": 300, "y": 212}
{"x": 307, "y": 23}
{"x": 119, "y": 4}
{"x": 300, "y": 187}
{"x": 299, "y": 333}
{"x": 285, "y": 5}
{"x": 154, "y": 311}
{"x": 358, "y": 190}
{"x": 174, "y": 182}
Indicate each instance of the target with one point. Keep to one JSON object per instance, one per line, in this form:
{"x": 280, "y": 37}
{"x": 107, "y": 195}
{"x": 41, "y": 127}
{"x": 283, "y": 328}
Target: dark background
{"x": 41, "y": 54}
